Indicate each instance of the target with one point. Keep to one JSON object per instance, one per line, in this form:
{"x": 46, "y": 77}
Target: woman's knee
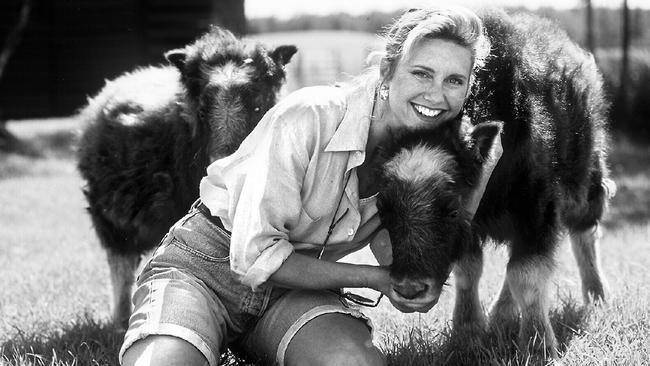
{"x": 365, "y": 354}
{"x": 163, "y": 350}
{"x": 334, "y": 339}
{"x": 344, "y": 355}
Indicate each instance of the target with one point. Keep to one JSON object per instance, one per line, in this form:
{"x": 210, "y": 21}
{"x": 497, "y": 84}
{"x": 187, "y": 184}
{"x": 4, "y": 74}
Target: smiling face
{"x": 429, "y": 84}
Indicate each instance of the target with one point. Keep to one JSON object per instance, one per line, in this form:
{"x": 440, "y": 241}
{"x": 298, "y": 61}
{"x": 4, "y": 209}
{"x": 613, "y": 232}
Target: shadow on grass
{"x": 496, "y": 347}
{"x": 84, "y": 341}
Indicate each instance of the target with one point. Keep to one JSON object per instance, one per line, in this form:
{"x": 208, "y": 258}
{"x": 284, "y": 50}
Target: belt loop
{"x": 205, "y": 211}
{"x": 195, "y": 205}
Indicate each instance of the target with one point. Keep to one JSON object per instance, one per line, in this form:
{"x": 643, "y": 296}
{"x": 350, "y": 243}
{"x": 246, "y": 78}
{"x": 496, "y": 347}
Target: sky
{"x": 287, "y": 8}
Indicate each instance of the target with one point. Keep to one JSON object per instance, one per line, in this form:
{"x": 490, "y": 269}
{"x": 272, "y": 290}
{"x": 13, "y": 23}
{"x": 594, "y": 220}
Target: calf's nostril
{"x": 411, "y": 290}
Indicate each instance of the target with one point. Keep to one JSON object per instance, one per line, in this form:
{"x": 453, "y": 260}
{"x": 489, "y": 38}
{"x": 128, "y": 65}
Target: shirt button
{"x": 350, "y": 232}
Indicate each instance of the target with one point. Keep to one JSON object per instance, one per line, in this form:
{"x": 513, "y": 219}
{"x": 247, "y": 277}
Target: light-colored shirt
{"x": 278, "y": 192}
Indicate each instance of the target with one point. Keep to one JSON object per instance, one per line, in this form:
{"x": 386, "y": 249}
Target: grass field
{"x": 54, "y": 302}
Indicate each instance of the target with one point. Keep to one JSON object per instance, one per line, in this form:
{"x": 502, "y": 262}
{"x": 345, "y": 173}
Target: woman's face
{"x": 429, "y": 85}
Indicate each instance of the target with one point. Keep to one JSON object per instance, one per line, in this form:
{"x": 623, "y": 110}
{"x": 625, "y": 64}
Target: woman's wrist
{"x": 377, "y": 278}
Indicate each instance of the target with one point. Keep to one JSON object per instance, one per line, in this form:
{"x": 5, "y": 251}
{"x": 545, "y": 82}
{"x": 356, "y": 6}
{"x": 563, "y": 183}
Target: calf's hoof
{"x": 595, "y": 293}
{"x": 539, "y": 345}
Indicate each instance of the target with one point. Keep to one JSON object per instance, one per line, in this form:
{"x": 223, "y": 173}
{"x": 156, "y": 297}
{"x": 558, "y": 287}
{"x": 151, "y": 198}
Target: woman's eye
{"x": 456, "y": 81}
{"x": 421, "y": 74}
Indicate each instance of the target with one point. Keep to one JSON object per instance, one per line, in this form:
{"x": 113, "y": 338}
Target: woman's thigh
{"x": 312, "y": 328}
{"x": 186, "y": 290}
{"x": 333, "y": 339}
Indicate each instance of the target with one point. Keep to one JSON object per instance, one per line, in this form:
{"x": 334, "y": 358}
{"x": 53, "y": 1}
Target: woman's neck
{"x": 378, "y": 134}
{"x": 380, "y": 125}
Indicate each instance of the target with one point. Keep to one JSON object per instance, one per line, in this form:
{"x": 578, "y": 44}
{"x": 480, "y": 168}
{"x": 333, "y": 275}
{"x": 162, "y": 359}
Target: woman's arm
{"x": 303, "y": 272}
{"x": 300, "y": 271}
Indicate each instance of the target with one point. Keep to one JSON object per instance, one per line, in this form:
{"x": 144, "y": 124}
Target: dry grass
{"x": 54, "y": 298}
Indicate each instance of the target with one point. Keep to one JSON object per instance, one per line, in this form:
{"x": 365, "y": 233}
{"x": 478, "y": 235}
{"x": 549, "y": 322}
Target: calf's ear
{"x": 282, "y": 55}
{"x": 177, "y": 57}
{"x": 483, "y": 136}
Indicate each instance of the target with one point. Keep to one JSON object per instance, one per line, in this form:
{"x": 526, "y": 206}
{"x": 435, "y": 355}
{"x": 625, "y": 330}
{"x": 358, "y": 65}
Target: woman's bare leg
{"x": 333, "y": 339}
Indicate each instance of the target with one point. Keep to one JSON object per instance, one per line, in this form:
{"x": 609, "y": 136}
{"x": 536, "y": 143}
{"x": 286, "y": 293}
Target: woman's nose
{"x": 435, "y": 93}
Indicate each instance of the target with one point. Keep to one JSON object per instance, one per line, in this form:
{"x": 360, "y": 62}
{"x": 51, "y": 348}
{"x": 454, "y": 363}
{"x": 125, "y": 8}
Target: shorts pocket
{"x": 209, "y": 251}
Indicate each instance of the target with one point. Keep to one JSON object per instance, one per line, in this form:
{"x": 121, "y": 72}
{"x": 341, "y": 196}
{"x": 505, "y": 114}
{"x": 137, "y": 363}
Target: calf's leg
{"x": 528, "y": 279}
{"x": 123, "y": 271}
{"x": 585, "y": 249}
{"x": 585, "y": 235}
{"x": 468, "y": 311}
{"x": 504, "y": 311}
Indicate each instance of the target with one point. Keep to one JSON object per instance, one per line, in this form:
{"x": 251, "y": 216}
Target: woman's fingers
{"x": 422, "y": 302}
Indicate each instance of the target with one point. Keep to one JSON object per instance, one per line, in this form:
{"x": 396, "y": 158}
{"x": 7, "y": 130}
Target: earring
{"x": 383, "y": 92}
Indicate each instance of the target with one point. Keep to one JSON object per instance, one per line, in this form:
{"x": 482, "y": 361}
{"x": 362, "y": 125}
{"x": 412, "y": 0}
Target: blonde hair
{"x": 457, "y": 24}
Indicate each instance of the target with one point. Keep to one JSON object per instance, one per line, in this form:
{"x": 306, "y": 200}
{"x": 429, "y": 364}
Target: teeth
{"x": 426, "y": 111}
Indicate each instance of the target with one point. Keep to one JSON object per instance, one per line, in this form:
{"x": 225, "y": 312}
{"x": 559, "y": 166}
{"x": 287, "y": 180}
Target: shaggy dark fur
{"x": 429, "y": 210}
{"x": 552, "y": 176}
{"x": 151, "y": 133}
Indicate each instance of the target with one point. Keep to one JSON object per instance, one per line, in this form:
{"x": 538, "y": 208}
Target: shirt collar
{"x": 352, "y": 132}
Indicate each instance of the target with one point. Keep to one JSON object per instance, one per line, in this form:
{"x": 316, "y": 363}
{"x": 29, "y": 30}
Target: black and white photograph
{"x": 293, "y": 182}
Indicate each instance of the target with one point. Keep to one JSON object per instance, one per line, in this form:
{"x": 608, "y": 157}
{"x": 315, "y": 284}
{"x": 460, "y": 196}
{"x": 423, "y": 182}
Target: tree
{"x": 15, "y": 35}
{"x": 9, "y": 142}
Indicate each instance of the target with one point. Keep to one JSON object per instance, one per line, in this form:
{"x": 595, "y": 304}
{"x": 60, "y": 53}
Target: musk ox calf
{"x": 547, "y": 95}
{"x": 150, "y": 134}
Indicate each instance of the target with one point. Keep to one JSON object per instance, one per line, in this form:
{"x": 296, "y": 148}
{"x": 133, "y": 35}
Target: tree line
{"x": 607, "y": 24}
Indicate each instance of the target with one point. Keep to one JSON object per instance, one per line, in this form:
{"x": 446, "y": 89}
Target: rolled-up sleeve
{"x": 269, "y": 204}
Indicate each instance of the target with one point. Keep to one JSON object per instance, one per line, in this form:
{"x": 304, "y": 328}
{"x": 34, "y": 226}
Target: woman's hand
{"x": 472, "y": 201}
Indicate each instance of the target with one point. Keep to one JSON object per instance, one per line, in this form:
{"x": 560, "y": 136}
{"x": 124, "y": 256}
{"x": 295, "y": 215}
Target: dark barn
{"x": 69, "y": 47}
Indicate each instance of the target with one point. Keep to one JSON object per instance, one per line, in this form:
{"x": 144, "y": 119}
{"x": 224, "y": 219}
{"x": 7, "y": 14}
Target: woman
{"x": 251, "y": 267}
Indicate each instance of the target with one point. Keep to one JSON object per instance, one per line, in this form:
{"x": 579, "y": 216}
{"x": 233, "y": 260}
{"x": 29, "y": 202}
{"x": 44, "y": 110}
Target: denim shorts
{"x": 187, "y": 290}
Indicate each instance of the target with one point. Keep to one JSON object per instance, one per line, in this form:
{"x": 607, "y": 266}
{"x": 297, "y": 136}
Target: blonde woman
{"x": 253, "y": 264}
